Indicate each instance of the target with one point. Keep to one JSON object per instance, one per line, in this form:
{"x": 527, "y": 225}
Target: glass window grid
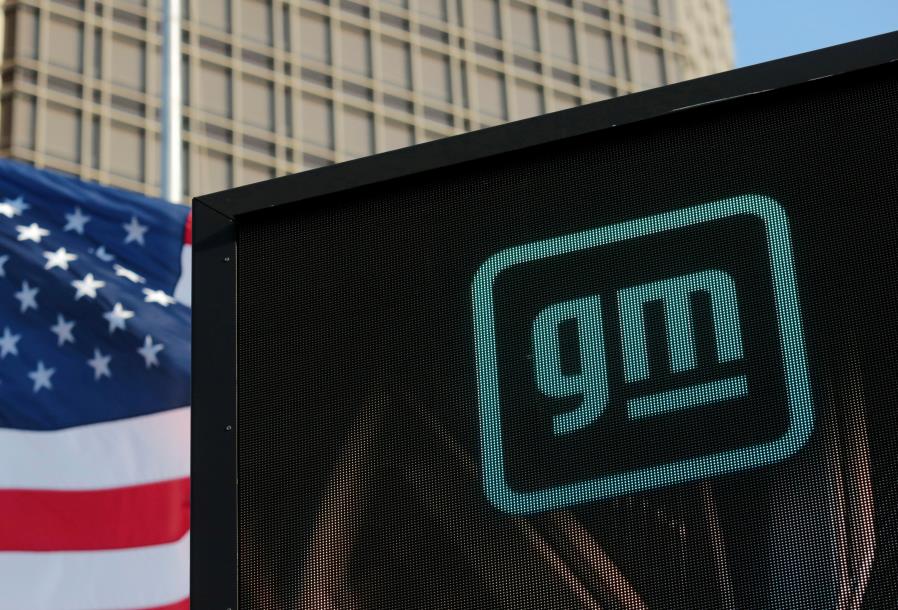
{"x": 284, "y": 73}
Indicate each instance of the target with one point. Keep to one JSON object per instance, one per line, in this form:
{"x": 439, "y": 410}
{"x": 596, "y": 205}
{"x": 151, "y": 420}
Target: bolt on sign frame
{"x": 221, "y": 219}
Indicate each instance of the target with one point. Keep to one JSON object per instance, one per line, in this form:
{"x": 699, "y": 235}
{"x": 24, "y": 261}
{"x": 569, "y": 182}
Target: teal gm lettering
{"x": 589, "y": 386}
{"x": 591, "y": 382}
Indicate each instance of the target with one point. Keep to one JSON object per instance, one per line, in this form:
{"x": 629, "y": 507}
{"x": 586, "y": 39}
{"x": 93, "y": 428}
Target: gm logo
{"x": 639, "y": 355}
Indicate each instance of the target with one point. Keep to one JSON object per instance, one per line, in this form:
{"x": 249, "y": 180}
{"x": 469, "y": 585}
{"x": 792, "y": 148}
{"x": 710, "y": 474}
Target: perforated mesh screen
{"x": 361, "y": 479}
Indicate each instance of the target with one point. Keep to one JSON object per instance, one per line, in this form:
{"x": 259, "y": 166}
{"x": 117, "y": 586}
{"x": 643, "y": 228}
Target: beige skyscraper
{"x": 278, "y": 86}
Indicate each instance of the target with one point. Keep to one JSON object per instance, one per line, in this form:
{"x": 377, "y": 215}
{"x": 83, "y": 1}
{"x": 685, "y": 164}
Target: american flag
{"x": 94, "y": 396}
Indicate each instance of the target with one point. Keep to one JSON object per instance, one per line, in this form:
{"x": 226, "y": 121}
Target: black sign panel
{"x": 560, "y": 364}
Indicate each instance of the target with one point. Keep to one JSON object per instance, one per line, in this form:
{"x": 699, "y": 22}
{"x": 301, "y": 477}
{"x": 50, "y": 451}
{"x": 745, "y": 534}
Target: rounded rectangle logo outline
{"x": 791, "y": 339}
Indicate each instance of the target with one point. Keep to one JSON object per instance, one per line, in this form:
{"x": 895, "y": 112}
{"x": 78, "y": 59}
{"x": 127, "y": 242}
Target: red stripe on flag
{"x": 184, "y": 604}
{"x": 125, "y": 517}
{"x": 188, "y": 229}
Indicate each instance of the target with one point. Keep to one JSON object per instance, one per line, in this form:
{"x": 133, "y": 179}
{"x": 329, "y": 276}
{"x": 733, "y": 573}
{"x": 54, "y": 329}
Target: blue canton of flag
{"x": 87, "y": 314}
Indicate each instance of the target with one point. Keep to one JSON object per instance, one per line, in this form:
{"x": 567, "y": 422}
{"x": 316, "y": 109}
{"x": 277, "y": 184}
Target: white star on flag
{"x": 27, "y": 296}
{"x": 60, "y": 259}
{"x": 103, "y": 255}
{"x": 3, "y": 259}
{"x": 8, "y": 343}
{"x": 76, "y": 221}
{"x": 100, "y": 364}
{"x": 117, "y": 317}
{"x": 157, "y": 296}
{"x": 63, "y": 330}
{"x": 135, "y": 231}
{"x": 128, "y": 274}
{"x": 149, "y": 351}
{"x": 41, "y": 377}
{"x": 32, "y": 232}
{"x": 13, "y": 207}
{"x": 87, "y": 287}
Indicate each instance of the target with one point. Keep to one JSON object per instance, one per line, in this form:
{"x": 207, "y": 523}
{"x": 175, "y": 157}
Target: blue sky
{"x": 768, "y": 29}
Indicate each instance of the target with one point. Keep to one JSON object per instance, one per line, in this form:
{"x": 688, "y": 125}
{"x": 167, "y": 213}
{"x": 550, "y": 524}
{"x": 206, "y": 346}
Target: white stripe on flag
{"x": 133, "y": 451}
{"x": 97, "y": 580}
{"x": 183, "y": 287}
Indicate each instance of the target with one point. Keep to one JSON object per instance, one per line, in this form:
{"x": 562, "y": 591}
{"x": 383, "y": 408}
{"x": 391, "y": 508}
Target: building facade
{"x": 278, "y": 86}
